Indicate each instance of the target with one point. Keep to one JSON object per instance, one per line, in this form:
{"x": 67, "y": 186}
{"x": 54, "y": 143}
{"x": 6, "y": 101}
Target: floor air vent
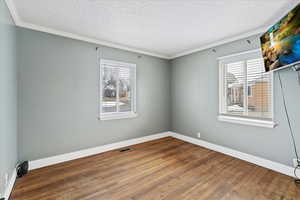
{"x": 125, "y": 150}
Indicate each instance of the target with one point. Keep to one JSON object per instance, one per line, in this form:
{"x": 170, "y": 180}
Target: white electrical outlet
{"x": 199, "y": 135}
{"x": 295, "y": 162}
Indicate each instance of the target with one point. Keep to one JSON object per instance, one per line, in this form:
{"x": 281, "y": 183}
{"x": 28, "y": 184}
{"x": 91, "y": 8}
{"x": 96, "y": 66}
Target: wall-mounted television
{"x": 281, "y": 43}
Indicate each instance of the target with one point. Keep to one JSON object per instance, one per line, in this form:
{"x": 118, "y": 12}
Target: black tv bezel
{"x": 268, "y": 27}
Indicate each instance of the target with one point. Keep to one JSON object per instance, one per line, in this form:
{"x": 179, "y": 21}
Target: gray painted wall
{"x": 8, "y": 95}
{"x": 58, "y": 91}
{"x": 58, "y": 96}
{"x": 58, "y": 106}
{"x": 195, "y": 106}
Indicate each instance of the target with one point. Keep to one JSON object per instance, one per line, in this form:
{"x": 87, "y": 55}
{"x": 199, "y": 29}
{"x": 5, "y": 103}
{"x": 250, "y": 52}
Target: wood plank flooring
{"x": 164, "y": 169}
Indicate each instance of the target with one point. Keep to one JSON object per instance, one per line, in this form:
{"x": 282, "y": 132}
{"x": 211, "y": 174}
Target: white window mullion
{"x": 221, "y": 87}
{"x": 271, "y": 88}
{"x": 245, "y": 89}
{"x": 110, "y": 104}
{"x": 133, "y": 91}
{"x": 117, "y": 92}
{"x": 226, "y": 90}
{"x": 240, "y": 74}
{"x": 100, "y": 89}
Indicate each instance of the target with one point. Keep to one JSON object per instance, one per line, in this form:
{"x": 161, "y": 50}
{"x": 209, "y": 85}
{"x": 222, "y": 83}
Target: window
{"x": 245, "y": 90}
{"x": 117, "y": 90}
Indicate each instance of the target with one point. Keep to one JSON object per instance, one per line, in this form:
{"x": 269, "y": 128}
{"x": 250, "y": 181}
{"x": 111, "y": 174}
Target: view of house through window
{"x": 247, "y": 89}
{"x": 117, "y": 88}
{"x": 109, "y": 90}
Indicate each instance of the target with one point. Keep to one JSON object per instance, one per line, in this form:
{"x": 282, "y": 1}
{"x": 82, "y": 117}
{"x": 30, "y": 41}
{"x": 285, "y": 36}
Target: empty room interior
{"x": 150, "y": 100}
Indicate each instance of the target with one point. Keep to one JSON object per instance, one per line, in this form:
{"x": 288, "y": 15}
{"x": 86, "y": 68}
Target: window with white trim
{"x": 117, "y": 90}
{"x": 246, "y": 91}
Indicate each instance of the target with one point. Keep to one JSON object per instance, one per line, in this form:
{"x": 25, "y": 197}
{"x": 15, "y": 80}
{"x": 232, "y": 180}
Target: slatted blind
{"x": 117, "y": 88}
{"x": 259, "y": 98}
{"x": 247, "y": 89}
{"x": 125, "y": 90}
{"x": 235, "y": 79}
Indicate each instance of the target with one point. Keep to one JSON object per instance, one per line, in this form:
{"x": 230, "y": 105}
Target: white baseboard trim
{"x": 10, "y": 185}
{"x": 35, "y": 164}
{"x": 278, "y": 167}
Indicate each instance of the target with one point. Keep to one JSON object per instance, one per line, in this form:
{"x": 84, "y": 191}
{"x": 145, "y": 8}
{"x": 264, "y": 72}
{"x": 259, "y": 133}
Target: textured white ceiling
{"x": 164, "y": 27}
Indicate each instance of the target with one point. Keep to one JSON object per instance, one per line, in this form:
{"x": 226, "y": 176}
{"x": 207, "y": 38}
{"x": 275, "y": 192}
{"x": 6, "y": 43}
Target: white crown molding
{"x": 221, "y": 42}
{"x": 87, "y": 39}
{"x": 260, "y": 30}
{"x": 13, "y": 12}
{"x": 257, "y": 31}
{"x": 18, "y": 21}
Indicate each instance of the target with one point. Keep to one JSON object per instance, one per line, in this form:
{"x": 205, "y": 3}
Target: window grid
{"x": 246, "y": 74}
{"x": 125, "y": 73}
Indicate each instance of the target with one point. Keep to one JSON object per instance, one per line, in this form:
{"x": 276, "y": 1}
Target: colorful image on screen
{"x": 281, "y": 43}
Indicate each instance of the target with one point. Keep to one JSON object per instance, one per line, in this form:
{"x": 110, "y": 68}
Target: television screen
{"x": 281, "y": 43}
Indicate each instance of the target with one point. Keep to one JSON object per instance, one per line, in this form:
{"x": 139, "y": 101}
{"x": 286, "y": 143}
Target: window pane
{"x": 234, "y": 79}
{"x": 259, "y": 99}
{"x": 246, "y": 89}
{"x": 109, "y": 90}
{"x": 125, "y": 95}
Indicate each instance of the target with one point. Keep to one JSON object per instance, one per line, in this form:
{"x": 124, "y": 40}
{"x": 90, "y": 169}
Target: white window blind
{"x": 117, "y": 90}
{"x": 245, "y": 88}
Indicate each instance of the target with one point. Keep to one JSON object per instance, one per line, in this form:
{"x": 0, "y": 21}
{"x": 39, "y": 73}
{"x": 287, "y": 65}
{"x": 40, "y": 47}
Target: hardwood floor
{"x": 167, "y": 168}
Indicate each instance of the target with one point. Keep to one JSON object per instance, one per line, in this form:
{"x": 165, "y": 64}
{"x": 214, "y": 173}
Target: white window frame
{"x": 222, "y": 97}
{"x": 118, "y": 115}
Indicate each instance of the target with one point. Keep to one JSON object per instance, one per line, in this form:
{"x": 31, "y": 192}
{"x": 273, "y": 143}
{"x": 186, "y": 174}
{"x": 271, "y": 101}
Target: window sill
{"x": 117, "y": 116}
{"x": 245, "y": 121}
